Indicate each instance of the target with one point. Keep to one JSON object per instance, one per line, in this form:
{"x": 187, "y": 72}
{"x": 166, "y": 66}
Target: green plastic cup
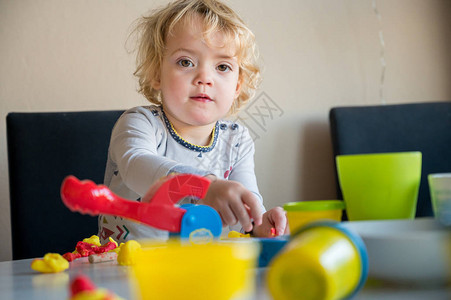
{"x": 440, "y": 189}
{"x": 380, "y": 186}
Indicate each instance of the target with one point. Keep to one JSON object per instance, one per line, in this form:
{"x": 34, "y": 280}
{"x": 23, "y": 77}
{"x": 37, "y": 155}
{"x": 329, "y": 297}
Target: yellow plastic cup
{"x": 177, "y": 270}
{"x": 302, "y": 213}
{"x": 323, "y": 261}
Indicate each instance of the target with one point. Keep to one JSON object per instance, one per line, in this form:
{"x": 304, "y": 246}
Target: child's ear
{"x": 238, "y": 88}
{"x": 156, "y": 84}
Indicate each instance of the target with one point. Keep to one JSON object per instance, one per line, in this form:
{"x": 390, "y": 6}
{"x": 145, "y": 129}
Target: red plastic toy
{"x": 87, "y": 197}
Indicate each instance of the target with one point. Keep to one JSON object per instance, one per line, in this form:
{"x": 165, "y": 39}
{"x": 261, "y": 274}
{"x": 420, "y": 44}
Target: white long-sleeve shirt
{"x": 144, "y": 147}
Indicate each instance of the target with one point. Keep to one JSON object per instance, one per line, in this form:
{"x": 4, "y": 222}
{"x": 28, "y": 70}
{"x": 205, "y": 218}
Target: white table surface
{"x": 19, "y": 281}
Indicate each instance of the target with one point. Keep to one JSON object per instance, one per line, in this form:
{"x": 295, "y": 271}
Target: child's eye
{"x": 224, "y": 68}
{"x": 185, "y": 63}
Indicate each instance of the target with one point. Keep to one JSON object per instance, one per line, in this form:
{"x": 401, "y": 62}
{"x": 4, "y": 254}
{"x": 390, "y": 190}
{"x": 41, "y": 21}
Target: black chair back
{"x": 43, "y": 148}
{"x": 424, "y": 127}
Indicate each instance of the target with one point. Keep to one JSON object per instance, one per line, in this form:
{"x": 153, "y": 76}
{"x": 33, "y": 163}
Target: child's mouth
{"x": 201, "y": 98}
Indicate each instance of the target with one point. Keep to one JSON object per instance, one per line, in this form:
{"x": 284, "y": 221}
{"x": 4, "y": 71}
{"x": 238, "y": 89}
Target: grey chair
{"x": 43, "y": 148}
{"x": 424, "y": 127}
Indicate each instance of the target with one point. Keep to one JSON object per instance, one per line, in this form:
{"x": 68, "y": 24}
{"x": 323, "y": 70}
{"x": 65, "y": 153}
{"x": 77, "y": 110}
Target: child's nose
{"x": 203, "y": 77}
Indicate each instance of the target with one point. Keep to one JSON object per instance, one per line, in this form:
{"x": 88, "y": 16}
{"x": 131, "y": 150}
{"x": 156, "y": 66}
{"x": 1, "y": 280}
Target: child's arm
{"x": 230, "y": 199}
{"x": 243, "y": 173}
{"x": 134, "y": 154}
{"x": 274, "y": 218}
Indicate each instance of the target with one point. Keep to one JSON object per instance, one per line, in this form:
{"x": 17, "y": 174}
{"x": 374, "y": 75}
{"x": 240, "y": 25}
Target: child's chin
{"x": 203, "y": 120}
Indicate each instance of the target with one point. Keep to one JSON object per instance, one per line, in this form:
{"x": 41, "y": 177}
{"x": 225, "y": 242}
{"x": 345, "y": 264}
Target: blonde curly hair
{"x": 151, "y": 32}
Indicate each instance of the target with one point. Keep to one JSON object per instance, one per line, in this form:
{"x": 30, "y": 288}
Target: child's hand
{"x": 274, "y": 218}
{"x": 234, "y": 203}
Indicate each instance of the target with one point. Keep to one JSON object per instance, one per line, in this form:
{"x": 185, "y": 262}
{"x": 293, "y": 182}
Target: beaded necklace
{"x": 185, "y": 143}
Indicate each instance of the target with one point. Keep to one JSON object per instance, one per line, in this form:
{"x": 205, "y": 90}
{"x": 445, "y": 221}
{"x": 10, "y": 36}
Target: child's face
{"x": 198, "y": 80}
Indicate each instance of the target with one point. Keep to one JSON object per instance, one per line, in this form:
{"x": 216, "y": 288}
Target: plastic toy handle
{"x": 88, "y": 198}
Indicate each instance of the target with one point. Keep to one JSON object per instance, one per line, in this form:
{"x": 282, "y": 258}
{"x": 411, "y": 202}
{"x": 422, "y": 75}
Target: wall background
{"x": 63, "y": 55}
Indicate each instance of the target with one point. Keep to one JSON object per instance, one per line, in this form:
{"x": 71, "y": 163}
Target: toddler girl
{"x": 196, "y": 65}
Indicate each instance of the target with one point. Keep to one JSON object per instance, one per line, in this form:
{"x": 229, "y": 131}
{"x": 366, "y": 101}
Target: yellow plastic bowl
{"x": 302, "y": 213}
{"x": 175, "y": 270}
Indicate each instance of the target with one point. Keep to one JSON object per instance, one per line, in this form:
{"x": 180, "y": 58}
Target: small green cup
{"x": 380, "y": 186}
{"x": 440, "y": 189}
